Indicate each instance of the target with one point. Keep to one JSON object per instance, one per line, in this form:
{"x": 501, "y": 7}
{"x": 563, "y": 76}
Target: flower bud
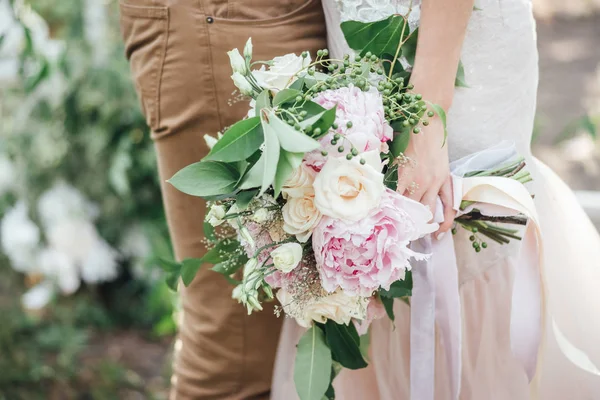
{"x": 268, "y": 291}
{"x": 250, "y": 267}
{"x": 238, "y": 64}
{"x": 245, "y": 234}
{"x": 242, "y": 83}
{"x": 215, "y": 215}
{"x": 248, "y": 50}
{"x": 253, "y": 301}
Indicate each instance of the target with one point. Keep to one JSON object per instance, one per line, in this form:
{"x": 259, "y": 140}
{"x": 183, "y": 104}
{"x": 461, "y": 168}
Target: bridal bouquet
{"x": 302, "y": 194}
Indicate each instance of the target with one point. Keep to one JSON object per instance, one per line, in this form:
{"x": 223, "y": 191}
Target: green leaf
{"x": 460, "y": 76}
{"x": 288, "y": 162}
{"x": 172, "y": 280}
{"x": 377, "y": 37}
{"x": 312, "y": 368}
{"x": 206, "y": 178}
{"x": 286, "y": 95}
{"x": 322, "y": 120}
{"x": 400, "y": 140}
{"x": 409, "y": 48}
{"x": 189, "y": 269}
{"x": 243, "y": 198}
{"x": 298, "y": 84}
{"x": 262, "y": 101}
{"x": 442, "y": 114}
{"x": 228, "y": 267}
{"x": 169, "y": 266}
{"x": 390, "y": 179}
{"x": 401, "y": 288}
{"x": 221, "y": 252}
{"x": 365, "y": 342}
{"x": 238, "y": 142}
{"x": 388, "y": 304}
{"x": 209, "y": 232}
{"x": 290, "y": 139}
{"x": 344, "y": 343}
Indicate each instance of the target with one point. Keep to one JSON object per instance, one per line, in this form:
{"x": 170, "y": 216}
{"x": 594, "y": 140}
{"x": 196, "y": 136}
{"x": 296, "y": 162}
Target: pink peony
{"x": 375, "y": 310}
{"x": 362, "y": 256}
{"x": 369, "y": 131}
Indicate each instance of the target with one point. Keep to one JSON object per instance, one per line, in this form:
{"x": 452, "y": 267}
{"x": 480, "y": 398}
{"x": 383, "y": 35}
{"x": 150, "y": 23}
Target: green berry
{"x": 379, "y": 71}
{"x": 324, "y": 153}
{"x": 430, "y": 114}
{"x": 354, "y": 151}
{"x": 319, "y": 53}
{"x": 298, "y": 99}
{"x": 484, "y": 245}
{"x": 475, "y": 230}
{"x": 317, "y": 131}
{"x": 405, "y": 123}
{"x": 416, "y": 130}
{"x": 412, "y": 121}
{"x": 478, "y": 249}
{"x": 297, "y": 127}
{"x": 337, "y": 136}
{"x": 388, "y": 85}
{"x": 334, "y": 125}
{"x": 475, "y": 245}
{"x": 454, "y": 231}
{"x": 303, "y": 113}
{"x": 363, "y": 161}
{"x": 369, "y": 54}
{"x": 311, "y": 71}
{"x": 333, "y": 142}
{"x": 425, "y": 123}
{"x": 418, "y": 96}
{"x": 341, "y": 149}
{"x": 304, "y": 54}
{"x": 410, "y": 86}
{"x": 472, "y": 238}
{"x": 331, "y": 68}
{"x": 349, "y": 124}
{"x": 349, "y": 156}
{"x": 325, "y": 52}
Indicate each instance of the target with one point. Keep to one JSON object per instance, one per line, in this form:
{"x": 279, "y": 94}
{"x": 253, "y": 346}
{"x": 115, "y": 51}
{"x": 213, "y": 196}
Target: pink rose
{"x": 369, "y": 131}
{"x": 362, "y": 256}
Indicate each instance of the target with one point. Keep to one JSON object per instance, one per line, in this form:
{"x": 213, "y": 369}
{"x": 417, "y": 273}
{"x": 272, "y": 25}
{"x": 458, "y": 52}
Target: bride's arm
{"x": 441, "y": 34}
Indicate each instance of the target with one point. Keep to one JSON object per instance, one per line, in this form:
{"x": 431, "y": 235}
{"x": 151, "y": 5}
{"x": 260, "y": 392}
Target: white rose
{"x": 281, "y": 73}
{"x": 215, "y": 215}
{"x": 238, "y": 64}
{"x": 336, "y": 306}
{"x": 300, "y": 182}
{"x": 242, "y": 84}
{"x": 301, "y": 216}
{"x": 346, "y": 189}
{"x": 287, "y": 256}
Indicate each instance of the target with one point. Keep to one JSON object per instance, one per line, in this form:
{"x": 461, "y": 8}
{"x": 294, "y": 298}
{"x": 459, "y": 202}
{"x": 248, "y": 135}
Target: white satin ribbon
{"x": 435, "y": 299}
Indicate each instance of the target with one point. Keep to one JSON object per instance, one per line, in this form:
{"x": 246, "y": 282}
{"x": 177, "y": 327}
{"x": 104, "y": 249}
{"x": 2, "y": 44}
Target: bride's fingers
{"x": 447, "y": 198}
{"x": 430, "y": 197}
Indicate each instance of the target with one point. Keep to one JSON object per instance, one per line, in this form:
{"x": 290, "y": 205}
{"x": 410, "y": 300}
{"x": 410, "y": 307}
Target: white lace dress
{"x": 501, "y": 69}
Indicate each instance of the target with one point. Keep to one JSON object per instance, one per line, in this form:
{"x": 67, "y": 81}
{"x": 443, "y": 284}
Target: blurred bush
{"x": 82, "y": 220}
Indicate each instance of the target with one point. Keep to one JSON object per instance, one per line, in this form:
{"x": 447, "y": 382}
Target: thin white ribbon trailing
{"x": 435, "y": 299}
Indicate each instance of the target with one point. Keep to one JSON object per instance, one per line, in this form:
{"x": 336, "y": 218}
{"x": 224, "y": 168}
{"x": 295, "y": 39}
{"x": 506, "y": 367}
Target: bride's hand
{"x": 424, "y": 173}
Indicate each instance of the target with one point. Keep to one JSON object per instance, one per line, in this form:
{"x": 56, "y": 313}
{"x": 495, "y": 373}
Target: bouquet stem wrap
{"x": 436, "y": 300}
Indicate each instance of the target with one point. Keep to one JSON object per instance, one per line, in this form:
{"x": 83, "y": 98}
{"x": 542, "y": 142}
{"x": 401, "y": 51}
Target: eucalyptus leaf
{"x": 209, "y": 232}
{"x": 243, "y": 198}
{"x": 344, "y": 342}
{"x": 206, "y": 179}
{"x": 289, "y": 138}
{"x": 189, "y": 269}
{"x": 388, "y": 304}
{"x": 409, "y": 48}
{"x": 298, "y": 84}
{"x": 286, "y": 95}
{"x": 400, "y": 140}
{"x": 239, "y": 141}
{"x": 169, "y": 266}
{"x": 312, "y": 368}
{"x": 172, "y": 280}
{"x": 399, "y": 289}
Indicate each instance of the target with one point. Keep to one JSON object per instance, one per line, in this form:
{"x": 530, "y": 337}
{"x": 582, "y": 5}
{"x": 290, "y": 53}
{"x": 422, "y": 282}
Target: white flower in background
{"x": 287, "y": 256}
{"x": 216, "y": 215}
{"x": 20, "y": 238}
{"x": 7, "y": 174}
{"x": 248, "y": 49}
{"x": 238, "y": 64}
{"x": 348, "y": 190}
{"x": 63, "y": 201}
{"x": 242, "y": 83}
{"x": 95, "y": 30}
{"x": 136, "y": 245}
{"x": 282, "y": 71}
{"x": 38, "y": 296}
{"x": 101, "y": 263}
{"x": 59, "y": 268}
{"x": 336, "y": 306}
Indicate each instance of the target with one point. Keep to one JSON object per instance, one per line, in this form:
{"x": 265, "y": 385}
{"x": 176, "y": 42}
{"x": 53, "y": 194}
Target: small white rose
{"x": 346, "y": 189}
{"x": 287, "y": 256}
{"x": 282, "y": 72}
{"x": 301, "y": 216}
{"x": 238, "y": 64}
{"x": 300, "y": 182}
{"x": 216, "y": 215}
{"x": 248, "y": 49}
{"x": 242, "y": 83}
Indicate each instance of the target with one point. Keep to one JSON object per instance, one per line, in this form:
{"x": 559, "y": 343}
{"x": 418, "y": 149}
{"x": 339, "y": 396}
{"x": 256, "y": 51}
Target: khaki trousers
{"x": 177, "y": 52}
